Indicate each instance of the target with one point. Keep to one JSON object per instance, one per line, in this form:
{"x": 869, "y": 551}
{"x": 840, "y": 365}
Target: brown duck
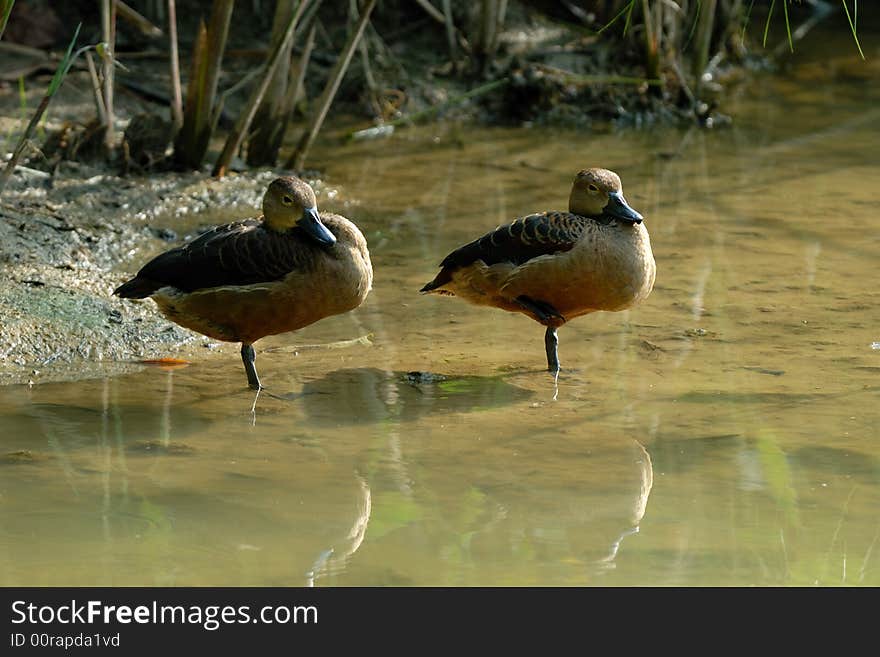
{"x": 555, "y": 266}
{"x": 273, "y": 274}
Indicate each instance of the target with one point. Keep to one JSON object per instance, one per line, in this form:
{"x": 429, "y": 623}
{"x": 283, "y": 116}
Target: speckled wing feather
{"x": 518, "y": 242}
{"x": 240, "y": 253}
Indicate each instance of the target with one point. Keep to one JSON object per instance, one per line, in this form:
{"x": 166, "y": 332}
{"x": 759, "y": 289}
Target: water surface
{"x": 722, "y": 433}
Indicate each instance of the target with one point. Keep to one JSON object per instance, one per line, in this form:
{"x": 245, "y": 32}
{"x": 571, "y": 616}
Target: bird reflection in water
{"x": 335, "y": 558}
{"x": 639, "y": 505}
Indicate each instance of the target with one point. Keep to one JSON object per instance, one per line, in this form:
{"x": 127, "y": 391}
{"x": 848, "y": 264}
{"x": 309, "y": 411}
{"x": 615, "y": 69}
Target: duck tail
{"x": 137, "y": 288}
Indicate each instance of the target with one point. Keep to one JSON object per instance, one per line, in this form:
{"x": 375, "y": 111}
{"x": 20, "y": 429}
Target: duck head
{"x": 598, "y": 193}
{"x": 290, "y": 202}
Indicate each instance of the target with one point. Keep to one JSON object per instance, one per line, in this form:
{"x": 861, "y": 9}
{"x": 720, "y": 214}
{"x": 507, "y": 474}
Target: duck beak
{"x": 311, "y": 223}
{"x": 618, "y": 208}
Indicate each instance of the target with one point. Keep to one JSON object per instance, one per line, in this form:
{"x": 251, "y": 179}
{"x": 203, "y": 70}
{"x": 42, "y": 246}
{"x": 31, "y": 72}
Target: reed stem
{"x": 298, "y": 157}
{"x": 233, "y": 141}
{"x": 192, "y": 141}
{"x": 108, "y": 31}
{"x": 176, "y": 93}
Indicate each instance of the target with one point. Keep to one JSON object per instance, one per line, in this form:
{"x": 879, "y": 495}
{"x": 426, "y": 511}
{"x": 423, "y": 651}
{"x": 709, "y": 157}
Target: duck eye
{"x": 593, "y": 188}
{"x": 287, "y": 200}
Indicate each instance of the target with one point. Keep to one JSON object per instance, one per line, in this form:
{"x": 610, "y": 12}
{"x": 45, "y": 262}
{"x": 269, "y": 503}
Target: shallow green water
{"x": 725, "y": 432}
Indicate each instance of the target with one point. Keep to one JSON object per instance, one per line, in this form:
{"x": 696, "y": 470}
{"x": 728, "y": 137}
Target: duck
{"x": 555, "y": 266}
{"x": 275, "y": 273}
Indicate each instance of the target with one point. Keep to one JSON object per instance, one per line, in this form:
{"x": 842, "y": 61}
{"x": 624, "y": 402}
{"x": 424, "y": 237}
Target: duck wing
{"x": 518, "y": 242}
{"x": 240, "y": 253}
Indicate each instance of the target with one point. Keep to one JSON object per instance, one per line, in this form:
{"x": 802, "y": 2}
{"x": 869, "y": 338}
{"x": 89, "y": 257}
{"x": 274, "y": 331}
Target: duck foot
{"x": 286, "y": 397}
{"x": 254, "y": 407}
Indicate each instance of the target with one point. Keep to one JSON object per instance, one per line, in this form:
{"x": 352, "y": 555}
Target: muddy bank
{"x": 67, "y": 241}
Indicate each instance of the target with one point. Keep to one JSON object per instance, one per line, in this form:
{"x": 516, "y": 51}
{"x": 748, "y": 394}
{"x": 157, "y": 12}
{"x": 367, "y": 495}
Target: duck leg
{"x": 248, "y": 357}
{"x": 551, "y": 343}
{"x": 542, "y": 311}
{"x": 551, "y": 318}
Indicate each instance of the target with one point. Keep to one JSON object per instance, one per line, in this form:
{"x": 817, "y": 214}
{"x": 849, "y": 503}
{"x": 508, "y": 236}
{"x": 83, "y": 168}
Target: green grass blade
{"x": 22, "y": 98}
{"x": 746, "y": 22}
{"x": 852, "y": 25}
{"x": 787, "y": 26}
{"x": 627, "y": 8}
{"x": 767, "y": 25}
{"x": 63, "y": 66}
{"x": 5, "y": 9}
{"x": 693, "y": 29}
{"x": 629, "y": 17}
{"x": 57, "y": 79}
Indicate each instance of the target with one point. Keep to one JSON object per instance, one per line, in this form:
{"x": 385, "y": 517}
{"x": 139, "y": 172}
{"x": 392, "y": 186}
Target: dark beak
{"x": 311, "y": 223}
{"x": 618, "y": 208}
